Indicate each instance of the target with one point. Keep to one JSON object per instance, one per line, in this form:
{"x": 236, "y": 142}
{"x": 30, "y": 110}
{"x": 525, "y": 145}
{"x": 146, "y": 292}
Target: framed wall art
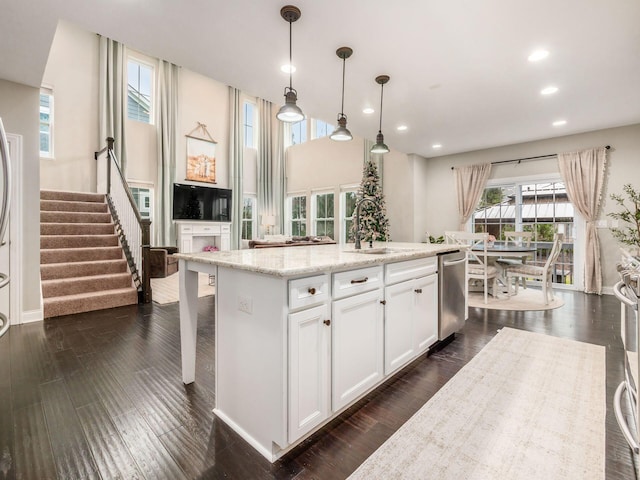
{"x": 201, "y": 156}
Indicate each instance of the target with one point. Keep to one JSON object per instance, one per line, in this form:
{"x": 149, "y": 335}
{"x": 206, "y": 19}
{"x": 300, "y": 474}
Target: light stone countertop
{"x": 300, "y": 260}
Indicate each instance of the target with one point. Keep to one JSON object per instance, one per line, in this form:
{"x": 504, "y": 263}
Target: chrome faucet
{"x": 358, "y": 205}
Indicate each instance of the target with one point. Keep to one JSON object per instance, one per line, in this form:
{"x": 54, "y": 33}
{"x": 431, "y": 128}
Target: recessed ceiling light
{"x": 538, "y": 55}
{"x": 368, "y": 110}
{"x": 436, "y": 146}
{"x": 559, "y": 123}
{"x": 288, "y": 68}
{"x": 402, "y": 128}
{"x": 548, "y": 90}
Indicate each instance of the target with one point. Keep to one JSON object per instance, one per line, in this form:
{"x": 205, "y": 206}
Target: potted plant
{"x": 630, "y": 215}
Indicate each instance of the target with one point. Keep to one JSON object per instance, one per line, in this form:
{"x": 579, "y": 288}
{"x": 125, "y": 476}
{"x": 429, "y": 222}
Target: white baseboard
{"x": 32, "y": 316}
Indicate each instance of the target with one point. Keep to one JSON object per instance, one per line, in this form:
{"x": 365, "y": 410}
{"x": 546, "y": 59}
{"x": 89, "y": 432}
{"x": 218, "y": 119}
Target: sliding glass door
{"x": 541, "y": 207}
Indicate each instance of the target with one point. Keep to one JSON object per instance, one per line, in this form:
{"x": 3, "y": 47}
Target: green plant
{"x": 629, "y": 234}
{"x": 433, "y": 239}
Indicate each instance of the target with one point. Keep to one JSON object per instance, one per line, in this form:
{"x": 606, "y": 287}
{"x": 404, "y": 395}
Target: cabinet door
{"x": 225, "y": 242}
{"x": 399, "y": 344}
{"x": 186, "y": 245}
{"x": 357, "y": 346}
{"x": 309, "y": 370}
{"x": 425, "y": 313}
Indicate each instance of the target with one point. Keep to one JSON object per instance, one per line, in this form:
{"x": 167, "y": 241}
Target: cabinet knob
{"x": 418, "y": 290}
{"x": 327, "y": 322}
{"x": 312, "y": 291}
{"x": 383, "y": 302}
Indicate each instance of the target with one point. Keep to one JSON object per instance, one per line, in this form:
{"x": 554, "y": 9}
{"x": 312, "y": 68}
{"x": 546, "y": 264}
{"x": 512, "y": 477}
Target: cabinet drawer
{"x": 401, "y": 271}
{"x": 306, "y": 292}
{"x": 225, "y": 228}
{"x": 186, "y": 228}
{"x": 206, "y": 229}
{"x": 356, "y": 281}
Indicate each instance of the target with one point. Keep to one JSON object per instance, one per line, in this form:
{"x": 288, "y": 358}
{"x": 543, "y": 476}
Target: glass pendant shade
{"x": 380, "y": 146}
{"x": 290, "y": 112}
{"x": 341, "y": 133}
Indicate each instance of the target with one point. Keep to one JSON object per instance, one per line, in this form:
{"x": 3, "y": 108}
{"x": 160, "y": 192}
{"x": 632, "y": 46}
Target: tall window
{"x": 539, "y": 207}
{"x": 347, "y": 206}
{"x": 248, "y": 217}
{"x": 139, "y": 91}
{"x": 323, "y": 129}
{"x": 46, "y": 123}
{"x": 248, "y": 122}
{"x": 299, "y": 132}
{"x": 323, "y": 214}
{"x": 298, "y": 215}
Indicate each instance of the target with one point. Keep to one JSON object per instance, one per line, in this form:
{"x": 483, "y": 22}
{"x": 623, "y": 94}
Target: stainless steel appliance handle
{"x": 6, "y": 179}
{"x": 617, "y": 408}
{"x": 448, "y": 263}
{"x": 617, "y": 291}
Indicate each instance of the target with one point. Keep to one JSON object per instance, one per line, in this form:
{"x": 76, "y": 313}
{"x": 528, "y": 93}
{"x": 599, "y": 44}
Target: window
{"x": 347, "y": 206}
{"x": 539, "y": 207}
{"x": 248, "y": 217}
{"x": 298, "y": 215}
{"x": 323, "y": 214}
{"x": 139, "y": 91}
{"x": 248, "y": 120}
{"x": 323, "y": 129}
{"x": 299, "y": 132}
{"x": 46, "y": 123}
{"x": 142, "y": 197}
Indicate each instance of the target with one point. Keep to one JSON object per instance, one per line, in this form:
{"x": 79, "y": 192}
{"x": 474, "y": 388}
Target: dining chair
{"x": 477, "y": 266}
{"x": 543, "y": 273}
{"x": 521, "y": 239}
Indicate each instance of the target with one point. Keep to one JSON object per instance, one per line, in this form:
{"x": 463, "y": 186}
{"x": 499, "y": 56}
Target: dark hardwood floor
{"x": 100, "y": 395}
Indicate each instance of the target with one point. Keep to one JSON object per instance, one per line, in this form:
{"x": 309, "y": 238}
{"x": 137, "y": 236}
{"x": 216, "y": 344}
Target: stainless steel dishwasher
{"x": 452, "y": 293}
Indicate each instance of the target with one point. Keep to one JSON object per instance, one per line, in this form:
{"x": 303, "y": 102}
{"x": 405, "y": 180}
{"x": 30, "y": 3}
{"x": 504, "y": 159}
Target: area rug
{"x": 526, "y": 299}
{"x": 167, "y": 290}
{"x": 528, "y": 406}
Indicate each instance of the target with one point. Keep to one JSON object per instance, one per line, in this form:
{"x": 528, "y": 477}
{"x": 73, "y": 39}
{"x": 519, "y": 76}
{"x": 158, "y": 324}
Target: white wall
{"x": 19, "y": 108}
{"x": 438, "y": 193}
{"x": 72, "y": 73}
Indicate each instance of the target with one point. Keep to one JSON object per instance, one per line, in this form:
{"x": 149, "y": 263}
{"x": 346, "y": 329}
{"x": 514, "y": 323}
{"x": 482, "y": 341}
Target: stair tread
{"x": 101, "y": 293}
{"x": 110, "y": 247}
{"x": 100, "y": 276}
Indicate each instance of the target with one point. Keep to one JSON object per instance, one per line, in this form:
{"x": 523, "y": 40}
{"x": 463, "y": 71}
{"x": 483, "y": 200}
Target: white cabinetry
{"x": 411, "y": 312}
{"x": 309, "y": 355}
{"x": 194, "y": 236}
{"x": 309, "y": 369}
{"x": 357, "y": 337}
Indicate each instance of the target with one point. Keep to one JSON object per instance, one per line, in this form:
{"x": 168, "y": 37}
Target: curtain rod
{"x": 530, "y": 158}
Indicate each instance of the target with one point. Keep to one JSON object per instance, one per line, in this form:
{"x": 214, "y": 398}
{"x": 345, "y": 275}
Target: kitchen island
{"x": 302, "y": 333}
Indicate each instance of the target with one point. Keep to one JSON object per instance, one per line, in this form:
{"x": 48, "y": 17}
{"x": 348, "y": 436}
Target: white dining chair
{"x": 544, "y": 273}
{"x": 520, "y": 239}
{"x": 477, "y": 266}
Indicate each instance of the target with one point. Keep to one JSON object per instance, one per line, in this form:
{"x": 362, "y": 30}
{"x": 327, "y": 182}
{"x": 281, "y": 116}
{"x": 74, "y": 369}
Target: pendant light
{"x": 380, "y": 147}
{"x": 290, "y": 112}
{"x": 341, "y": 133}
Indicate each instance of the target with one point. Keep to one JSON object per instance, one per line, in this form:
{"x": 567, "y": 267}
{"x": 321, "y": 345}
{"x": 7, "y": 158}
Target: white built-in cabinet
{"x": 193, "y": 236}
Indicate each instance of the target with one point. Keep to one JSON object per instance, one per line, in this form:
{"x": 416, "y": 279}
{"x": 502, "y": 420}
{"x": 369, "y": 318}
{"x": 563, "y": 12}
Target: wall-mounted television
{"x": 194, "y": 202}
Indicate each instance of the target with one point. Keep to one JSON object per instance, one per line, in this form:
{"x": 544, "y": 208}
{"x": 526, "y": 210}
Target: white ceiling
{"x": 459, "y": 70}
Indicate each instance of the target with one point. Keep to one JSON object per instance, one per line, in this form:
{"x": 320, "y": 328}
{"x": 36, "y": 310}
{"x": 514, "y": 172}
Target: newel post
{"x": 146, "y": 262}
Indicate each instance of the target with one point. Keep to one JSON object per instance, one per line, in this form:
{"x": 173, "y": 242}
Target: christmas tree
{"x": 374, "y": 224}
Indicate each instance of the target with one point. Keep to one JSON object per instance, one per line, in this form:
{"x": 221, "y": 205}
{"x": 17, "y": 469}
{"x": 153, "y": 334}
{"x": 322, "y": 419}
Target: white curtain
{"x": 583, "y": 174}
{"x": 266, "y": 180}
{"x": 236, "y": 147}
{"x": 469, "y": 182}
{"x": 113, "y": 97}
{"x": 167, "y": 119}
{"x": 279, "y": 190}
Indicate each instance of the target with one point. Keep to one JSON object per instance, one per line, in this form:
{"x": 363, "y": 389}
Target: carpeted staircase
{"x": 82, "y": 265}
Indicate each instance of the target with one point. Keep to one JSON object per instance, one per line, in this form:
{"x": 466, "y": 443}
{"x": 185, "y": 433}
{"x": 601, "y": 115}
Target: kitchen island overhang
{"x": 301, "y": 333}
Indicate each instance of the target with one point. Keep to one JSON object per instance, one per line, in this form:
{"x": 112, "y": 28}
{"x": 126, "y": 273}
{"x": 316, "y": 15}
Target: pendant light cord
{"x": 381, "y": 95}
{"x": 344, "y": 61}
{"x": 290, "y": 59}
